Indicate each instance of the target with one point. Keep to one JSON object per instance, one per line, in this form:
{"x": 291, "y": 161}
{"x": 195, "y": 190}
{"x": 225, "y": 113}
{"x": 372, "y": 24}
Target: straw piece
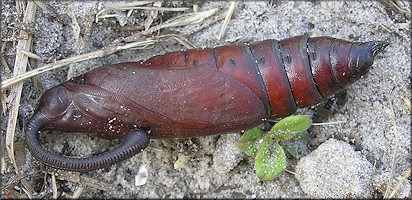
{"x": 152, "y": 15}
{"x": 407, "y": 174}
{"x": 183, "y": 41}
{"x": 3, "y": 60}
{"x": 185, "y": 19}
{"x": 154, "y": 8}
{"x": 54, "y": 186}
{"x": 395, "y": 148}
{"x": 227, "y": 18}
{"x": 408, "y": 103}
{"x": 29, "y": 54}
{"x": 84, "y": 180}
{"x": 193, "y": 28}
{"x": 15, "y": 94}
{"x": 138, "y": 5}
{"x": 126, "y": 5}
{"x": 42, "y": 6}
{"x": 77, "y": 193}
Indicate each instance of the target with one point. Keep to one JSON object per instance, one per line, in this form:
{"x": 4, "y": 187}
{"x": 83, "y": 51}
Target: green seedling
{"x": 288, "y": 127}
{"x": 248, "y": 140}
{"x": 270, "y": 161}
{"x": 269, "y": 148}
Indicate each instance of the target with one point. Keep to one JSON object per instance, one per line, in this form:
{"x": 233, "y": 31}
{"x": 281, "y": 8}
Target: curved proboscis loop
{"x": 135, "y": 142}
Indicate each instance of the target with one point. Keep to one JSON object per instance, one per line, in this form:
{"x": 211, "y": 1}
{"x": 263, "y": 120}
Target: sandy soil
{"x": 217, "y": 168}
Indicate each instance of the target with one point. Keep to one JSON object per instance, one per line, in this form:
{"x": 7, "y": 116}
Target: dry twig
{"x": 15, "y": 94}
{"x": 227, "y": 18}
{"x": 395, "y": 147}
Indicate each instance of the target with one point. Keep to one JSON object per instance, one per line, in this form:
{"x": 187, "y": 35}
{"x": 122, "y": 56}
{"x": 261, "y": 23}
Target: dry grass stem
{"x": 98, "y": 15}
{"x": 153, "y": 148}
{"x": 227, "y": 18}
{"x": 235, "y": 39}
{"x": 395, "y": 147}
{"x": 182, "y": 40}
{"x": 3, "y": 164}
{"x": 70, "y": 72}
{"x": 129, "y": 13}
{"x": 135, "y": 6}
{"x": 196, "y": 7}
{"x": 3, "y": 61}
{"x": 20, "y": 6}
{"x": 407, "y": 174}
{"x": 54, "y": 186}
{"x": 192, "y": 28}
{"x": 77, "y": 193}
{"x": 12, "y": 184}
{"x": 13, "y": 39}
{"x": 138, "y": 5}
{"x": 273, "y": 120}
{"x": 408, "y": 103}
{"x": 184, "y": 19}
{"x": 29, "y": 54}
{"x": 42, "y": 6}
{"x": 15, "y": 94}
{"x": 127, "y": 5}
{"x": 108, "y": 16}
{"x": 151, "y": 16}
{"x": 98, "y": 184}
{"x": 4, "y": 102}
{"x": 400, "y": 6}
{"x": 13, "y": 181}
{"x": 154, "y": 8}
{"x": 27, "y": 192}
{"x": 76, "y": 27}
{"x": 76, "y": 33}
{"x": 398, "y": 28}
{"x": 328, "y": 123}
{"x": 76, "y": 178}
{"x": 290, "y": 172}
{"x": 137, "y": 45}
{"x": 28, "y": 188}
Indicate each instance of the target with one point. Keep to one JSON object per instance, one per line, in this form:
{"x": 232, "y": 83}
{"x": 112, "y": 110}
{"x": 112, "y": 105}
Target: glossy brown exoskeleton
{"x": 196, "y": 92}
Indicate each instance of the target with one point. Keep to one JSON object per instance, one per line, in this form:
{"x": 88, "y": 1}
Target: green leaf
{"x": 248, "y": 147}
{"x": 250, "y": 135}
{"x": 288, "y": 127}
{"x": 292, "y": 150}
{"x": 269, "y": 162}
{"x": 248, "y": 141}
{"x": 302, "y": 136}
